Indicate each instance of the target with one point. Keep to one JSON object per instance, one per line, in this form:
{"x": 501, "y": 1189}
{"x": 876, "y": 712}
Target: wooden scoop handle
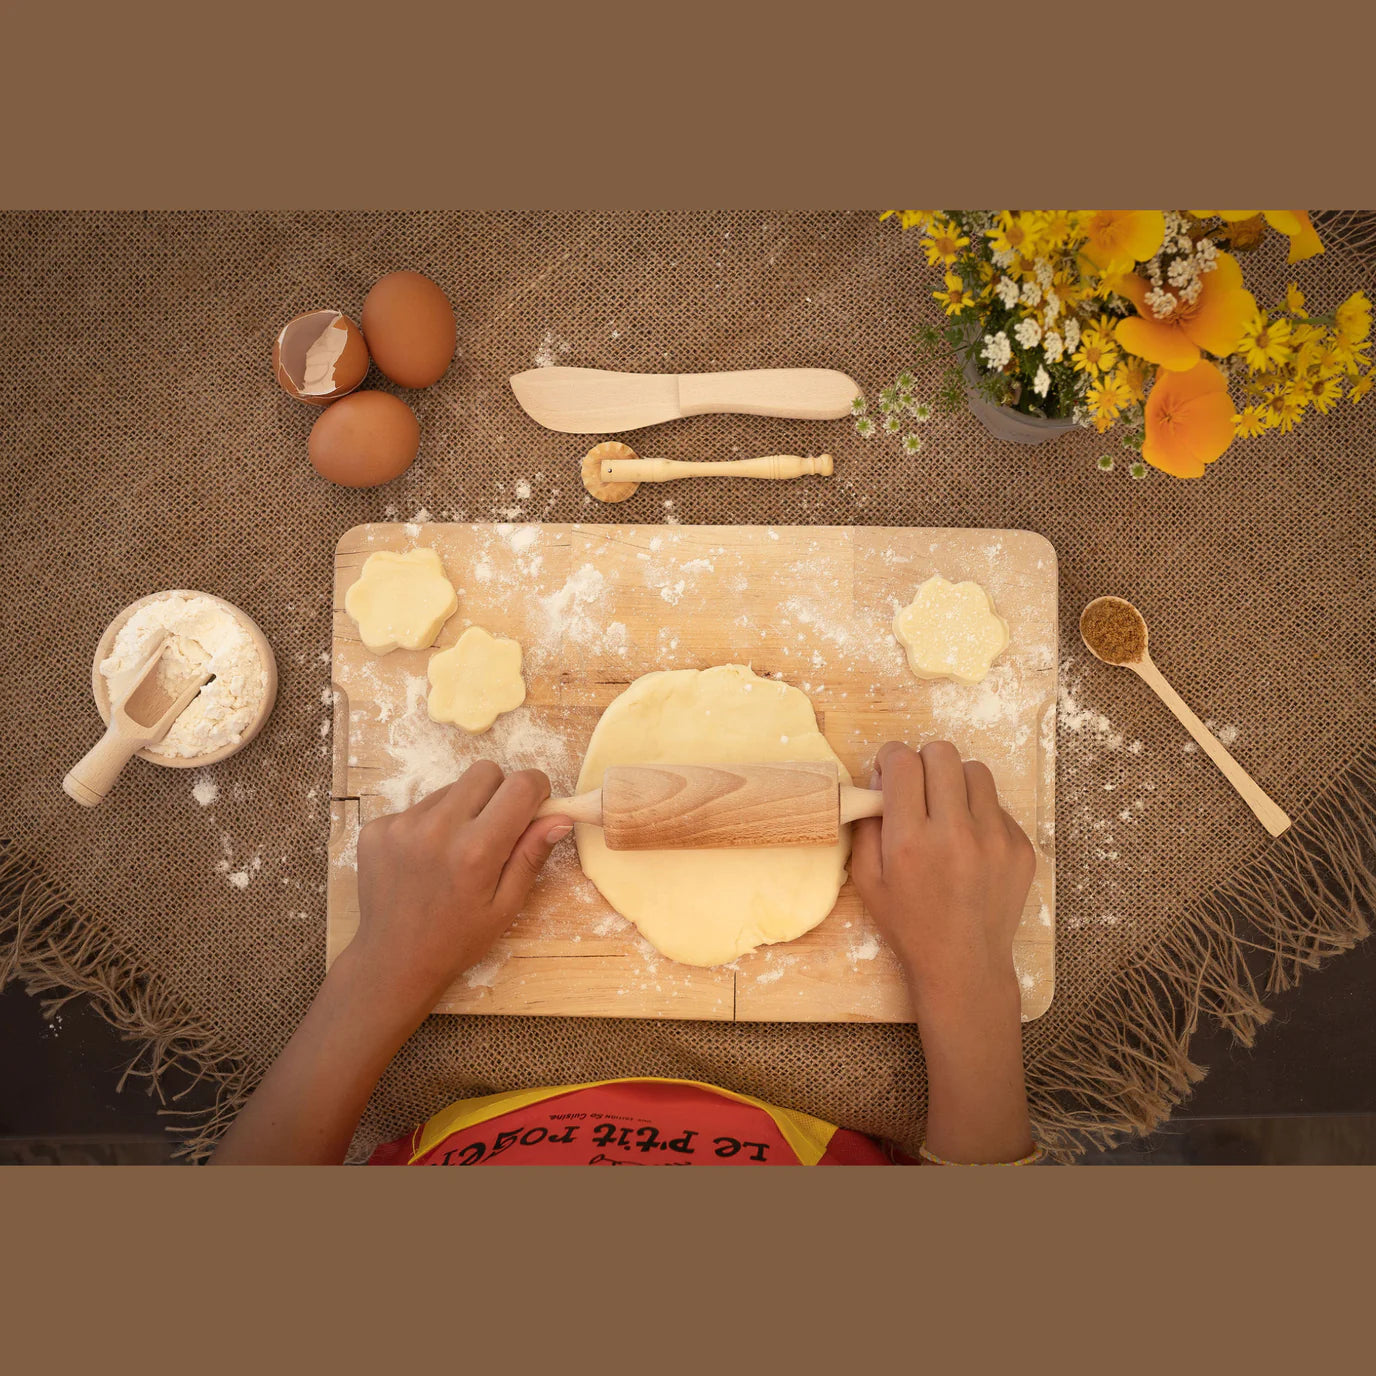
{"x": 686, "y": 806}
{"x": 774, "y": 466}
{"x": 1268, "y": 812}
{"x": 94, "y": 774}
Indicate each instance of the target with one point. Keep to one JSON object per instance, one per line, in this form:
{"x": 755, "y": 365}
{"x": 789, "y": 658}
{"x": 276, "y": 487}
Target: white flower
{"x": 866, "y": 428}
{"x": 1161, "y": 303}
{"x": 912, "y": 444}
{"x": 1052, "y": 346}
{"x": 1028, "y": 333}
{"x": 891, "y": 424}
{"x": 997, "y": 350}
{"x": 1031, "y": 293}
{"x": 1043, "y": 271}
{"x": 1003, "y": 258}
{"x": 1190, "y": 293}
{"x": 1154, "y": 270}
{"x": 1182, "y": 272}
{"x": 1041, "y": 382}
{"x": 1007, "y": 292}
{"x": 1071, "y": 331}
{"x": 1051, "y": 308}
{"x": 1183, "y": 243}
{"x": 921, "y": 411}
{"x": 1206, "y": 255}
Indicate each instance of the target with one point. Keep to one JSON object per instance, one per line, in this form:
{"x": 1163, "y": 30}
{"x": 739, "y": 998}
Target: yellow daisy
{"x": 1106, "y": 399}
{"x": 1322, "y": 393}
{"x": 1265, "y": 343}
{"x": 1294, "y": 299}
{"x": 1361, "y": 387}
{"x": 1284, "y": 407}
{"x": 1094, "y": 355}
{"x": 910, "y": 219}
{"x": 957, "y": 296}
{"x": 1133, "y": 374}
{"x": 1011, "y": 234}
{"x": 1354, "y": 318}
{"x": 1251, "y": 420}
{"x": 944, "y": 242}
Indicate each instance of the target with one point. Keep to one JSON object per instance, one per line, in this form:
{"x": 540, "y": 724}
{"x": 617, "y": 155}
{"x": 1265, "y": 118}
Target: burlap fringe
{"x": 56, "y": 951}
{"x": 1121, "y": 1070}
{"x": 1125, "y": 1065}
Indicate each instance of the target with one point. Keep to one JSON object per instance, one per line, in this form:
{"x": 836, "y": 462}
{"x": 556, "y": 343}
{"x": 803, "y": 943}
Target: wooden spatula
{"x": 713, "y": 806}
{"x": 142, "y": 717}
{"x": 589, "y": 401}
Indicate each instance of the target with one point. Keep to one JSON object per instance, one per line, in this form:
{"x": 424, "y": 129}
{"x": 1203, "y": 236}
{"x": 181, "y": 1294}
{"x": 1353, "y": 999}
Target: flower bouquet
{"x": 1137, "y": 319}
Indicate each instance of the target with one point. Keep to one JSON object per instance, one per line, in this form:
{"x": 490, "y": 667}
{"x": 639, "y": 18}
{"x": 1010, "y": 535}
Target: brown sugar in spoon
{"x": 1116, "y": 632}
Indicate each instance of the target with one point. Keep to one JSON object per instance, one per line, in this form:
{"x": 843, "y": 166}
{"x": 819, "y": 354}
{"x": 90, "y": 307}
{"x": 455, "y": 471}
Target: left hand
{"x": 440, "y": 882}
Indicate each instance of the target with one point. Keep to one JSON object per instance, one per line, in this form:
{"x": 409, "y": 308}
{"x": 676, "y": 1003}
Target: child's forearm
{"x": 976, "y": 1098}
{"x": 308, "y": 1105}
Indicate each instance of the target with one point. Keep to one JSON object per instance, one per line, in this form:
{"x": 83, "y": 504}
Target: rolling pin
{"x": 711, "y": 806}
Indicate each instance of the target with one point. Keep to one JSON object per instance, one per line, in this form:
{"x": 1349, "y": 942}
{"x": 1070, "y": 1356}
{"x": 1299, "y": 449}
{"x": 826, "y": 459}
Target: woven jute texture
{"x": 147, "y": 447}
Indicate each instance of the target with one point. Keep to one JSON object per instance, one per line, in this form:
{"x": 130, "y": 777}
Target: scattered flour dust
{"x": 205, "y": 791}
{"x": 550, "y": 350}
{"x": 426, "y": 755}
{"x": 484, "y": 974}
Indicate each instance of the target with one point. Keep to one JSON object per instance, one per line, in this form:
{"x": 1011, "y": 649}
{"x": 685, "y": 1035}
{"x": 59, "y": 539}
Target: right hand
{"x": 945, "y": 873}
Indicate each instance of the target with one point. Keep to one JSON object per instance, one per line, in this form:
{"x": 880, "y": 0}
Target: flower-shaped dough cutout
{"x": 473, "y": 682}
{"x": 400, "y": 601}
{"x": 951, "y": 630}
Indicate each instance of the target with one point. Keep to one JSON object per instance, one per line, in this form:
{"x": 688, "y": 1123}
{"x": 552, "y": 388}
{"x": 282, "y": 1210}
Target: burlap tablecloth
{"x": 147, "y": 446}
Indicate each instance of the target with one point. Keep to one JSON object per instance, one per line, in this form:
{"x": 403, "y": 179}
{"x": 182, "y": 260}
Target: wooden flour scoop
{"x": 141, "y": 717}
{"x": 711, "y": 806}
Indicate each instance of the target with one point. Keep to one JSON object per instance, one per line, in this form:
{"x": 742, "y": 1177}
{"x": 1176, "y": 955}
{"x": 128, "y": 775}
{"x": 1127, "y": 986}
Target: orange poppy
{"x": 1215, "y": 320}
{"x": 1189, "y": 417}
{"x": 1294, "y": 224}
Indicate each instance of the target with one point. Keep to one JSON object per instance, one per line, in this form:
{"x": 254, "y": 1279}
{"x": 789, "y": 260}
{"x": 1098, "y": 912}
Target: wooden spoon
{"x": 142, "y": 717}
{"x": 1268, "y": 812}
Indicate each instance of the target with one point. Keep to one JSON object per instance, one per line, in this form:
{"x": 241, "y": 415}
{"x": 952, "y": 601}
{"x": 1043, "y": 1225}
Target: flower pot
{"x": 1003, "y": 422}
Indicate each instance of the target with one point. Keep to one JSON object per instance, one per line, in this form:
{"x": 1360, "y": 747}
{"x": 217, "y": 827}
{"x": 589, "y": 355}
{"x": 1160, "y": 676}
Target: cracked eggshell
{"x": 319, "y": 357}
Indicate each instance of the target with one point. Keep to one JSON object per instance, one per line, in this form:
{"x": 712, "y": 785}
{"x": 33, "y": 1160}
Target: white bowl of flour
{"x": 202, "y": 632}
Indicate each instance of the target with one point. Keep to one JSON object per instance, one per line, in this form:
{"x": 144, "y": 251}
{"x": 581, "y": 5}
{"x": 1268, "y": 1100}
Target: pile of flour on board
{"x": 201, "y": 636}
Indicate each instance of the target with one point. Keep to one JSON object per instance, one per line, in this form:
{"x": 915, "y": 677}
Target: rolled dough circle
{"x": 706, "y": 907}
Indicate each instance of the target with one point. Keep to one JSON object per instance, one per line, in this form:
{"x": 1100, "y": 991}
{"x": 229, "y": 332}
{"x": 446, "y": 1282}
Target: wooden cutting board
{"x": 596, "y": 606}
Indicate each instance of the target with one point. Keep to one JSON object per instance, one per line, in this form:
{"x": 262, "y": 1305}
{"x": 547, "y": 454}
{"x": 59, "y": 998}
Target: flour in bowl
{"x": 201, "y": 637}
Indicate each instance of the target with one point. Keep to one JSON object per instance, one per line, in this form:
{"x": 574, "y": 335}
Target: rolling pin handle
{"x": 584, "y": 807}
{"x": 860, "y": 802}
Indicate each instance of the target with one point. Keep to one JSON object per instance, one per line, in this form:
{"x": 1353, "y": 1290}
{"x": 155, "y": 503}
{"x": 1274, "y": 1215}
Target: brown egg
{"x": 319, "y": 356}
{"x": 409, "y": 327}
{"x": 364, "y": 440}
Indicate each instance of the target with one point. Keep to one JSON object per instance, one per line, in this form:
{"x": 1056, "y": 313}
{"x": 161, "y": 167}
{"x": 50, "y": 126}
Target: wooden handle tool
{"x": 712, "y": 806}
{"x": 94, "y": 775}
{"x": 612, "y": 471}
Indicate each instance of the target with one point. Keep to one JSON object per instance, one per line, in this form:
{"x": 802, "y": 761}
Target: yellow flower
{"x": 1322, "y": 393}
{"x": 1116, "y": 239}
{"x": 910, "y": 219}
{"x": 1294, "y": 299}
{"x": 1057, "y": 228}
{"x": 1095, "y": 355}
{"x": 1070, "y": 289}
{"x": 1105, "y": 399}
{"x": 1265, "y": 343}
{"x": 1011, "y": 234}
{"x": 1251, "y": 420}
{"x": 1353, "y": 318}
{"x": 1361, "y": 387}
{"x": 957, "y": 296}
{"x": 944, "y": 242}
{"x": 1294, "y": 224}
{"x": 1284, "y": 407}
{"x": 1349, "y": 356}
{"x": 1133, "y": 375}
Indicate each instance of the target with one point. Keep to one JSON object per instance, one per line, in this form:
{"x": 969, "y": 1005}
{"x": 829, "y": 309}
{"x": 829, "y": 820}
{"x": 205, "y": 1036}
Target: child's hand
{"x": 945, "y": 873}
{"x": 438, "y": 883}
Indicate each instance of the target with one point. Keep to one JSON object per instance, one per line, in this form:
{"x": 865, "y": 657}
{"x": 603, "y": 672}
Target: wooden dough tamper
{"x": 714, "y": 806}
{"x": 613, "y": 471}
